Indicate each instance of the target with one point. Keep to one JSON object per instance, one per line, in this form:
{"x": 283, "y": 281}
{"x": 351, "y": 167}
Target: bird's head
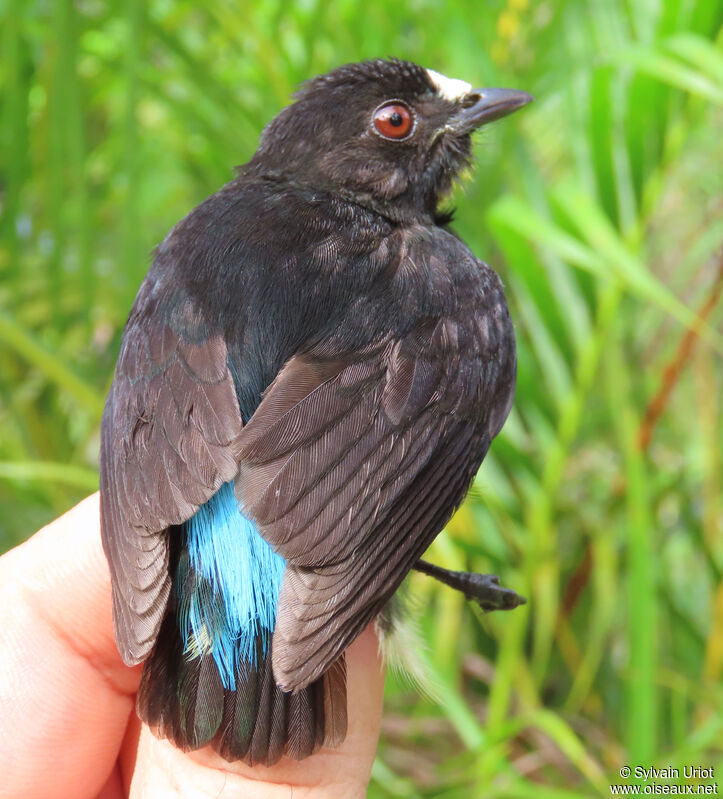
{"x": 387, "y": 134}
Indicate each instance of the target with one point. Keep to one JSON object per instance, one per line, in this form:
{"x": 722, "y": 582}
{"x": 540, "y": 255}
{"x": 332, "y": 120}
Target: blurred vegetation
{"x": 602, "y": 208}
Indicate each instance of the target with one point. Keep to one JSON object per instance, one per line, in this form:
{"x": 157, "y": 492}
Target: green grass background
{"x": 602, "y": 208}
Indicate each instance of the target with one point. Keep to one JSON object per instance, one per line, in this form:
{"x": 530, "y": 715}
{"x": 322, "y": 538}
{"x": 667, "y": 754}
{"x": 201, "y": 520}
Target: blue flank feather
{"x": 228, "y": 596}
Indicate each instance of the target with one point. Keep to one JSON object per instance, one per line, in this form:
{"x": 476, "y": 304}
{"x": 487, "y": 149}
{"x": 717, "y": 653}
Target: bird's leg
{"x": 484, "y": 589}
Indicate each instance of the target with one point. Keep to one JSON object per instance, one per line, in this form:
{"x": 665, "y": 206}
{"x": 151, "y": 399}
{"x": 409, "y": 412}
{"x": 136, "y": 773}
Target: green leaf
{"x": 44, "y": 472}
{"x": 50, "y": 364}
{"x": 671, "y": 70}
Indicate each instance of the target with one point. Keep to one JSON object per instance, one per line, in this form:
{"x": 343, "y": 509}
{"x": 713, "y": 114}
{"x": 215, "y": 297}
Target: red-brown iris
{"x": 393, "y": 120}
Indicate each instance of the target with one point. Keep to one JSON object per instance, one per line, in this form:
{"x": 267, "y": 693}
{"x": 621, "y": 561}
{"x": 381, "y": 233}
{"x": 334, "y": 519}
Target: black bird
{"x": 309, "y": 378}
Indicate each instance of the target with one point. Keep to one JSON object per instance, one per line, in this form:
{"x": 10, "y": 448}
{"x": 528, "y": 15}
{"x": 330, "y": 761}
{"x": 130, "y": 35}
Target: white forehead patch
{"x": 449, "y": 88}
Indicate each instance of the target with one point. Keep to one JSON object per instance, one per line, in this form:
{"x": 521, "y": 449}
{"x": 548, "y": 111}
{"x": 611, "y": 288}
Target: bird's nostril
{"x": 471, "y": 99}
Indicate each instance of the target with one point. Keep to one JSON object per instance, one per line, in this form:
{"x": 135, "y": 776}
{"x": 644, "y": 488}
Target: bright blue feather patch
{"x": 228, "y": 586}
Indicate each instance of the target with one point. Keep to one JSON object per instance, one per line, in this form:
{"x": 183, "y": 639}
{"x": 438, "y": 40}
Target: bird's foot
{"x": 484, "y": 589}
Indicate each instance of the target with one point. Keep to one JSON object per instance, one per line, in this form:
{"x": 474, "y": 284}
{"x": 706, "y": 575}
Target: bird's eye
{"x": 393, "y": 120}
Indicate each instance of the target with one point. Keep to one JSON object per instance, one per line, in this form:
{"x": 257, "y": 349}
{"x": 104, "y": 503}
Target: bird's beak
{"x": 481, "y": 106}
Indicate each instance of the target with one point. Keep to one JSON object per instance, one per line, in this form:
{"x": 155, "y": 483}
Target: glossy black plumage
{"x": 311, "y": 332}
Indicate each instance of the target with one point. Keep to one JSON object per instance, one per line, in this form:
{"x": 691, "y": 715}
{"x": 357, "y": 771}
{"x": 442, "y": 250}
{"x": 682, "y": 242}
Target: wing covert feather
{"x": 350, "y": 469}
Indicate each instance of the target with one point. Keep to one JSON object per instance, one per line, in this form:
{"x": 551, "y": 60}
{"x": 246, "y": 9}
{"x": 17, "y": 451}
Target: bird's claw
{"x": 484, "y": 589}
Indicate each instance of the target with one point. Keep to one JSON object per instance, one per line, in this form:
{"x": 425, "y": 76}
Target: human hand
{"x": 69, "y": 727}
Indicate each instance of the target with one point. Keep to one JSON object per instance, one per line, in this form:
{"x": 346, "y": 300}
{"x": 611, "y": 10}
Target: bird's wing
{"x": 170, "y": 427}
{"x": 350, "y": 468}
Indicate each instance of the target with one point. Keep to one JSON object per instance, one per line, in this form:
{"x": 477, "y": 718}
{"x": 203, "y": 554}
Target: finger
{"x": 165, "y": 772}
{"x": 65, "y": 693}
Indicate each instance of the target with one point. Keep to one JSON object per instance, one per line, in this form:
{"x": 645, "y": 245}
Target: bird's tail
{"x": 185, "y": 701}
{"x": 209, "y": 678}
